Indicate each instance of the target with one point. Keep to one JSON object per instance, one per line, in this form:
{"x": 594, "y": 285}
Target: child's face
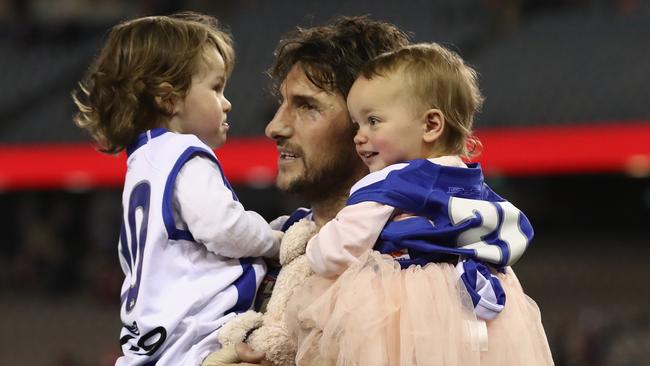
{"x": 390, "y": 127}
{"x": 204, "y": 110}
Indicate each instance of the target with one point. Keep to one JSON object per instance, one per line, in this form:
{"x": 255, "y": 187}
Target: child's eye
{"x": 355, "y": 126}
{"x": 373, "y": 120}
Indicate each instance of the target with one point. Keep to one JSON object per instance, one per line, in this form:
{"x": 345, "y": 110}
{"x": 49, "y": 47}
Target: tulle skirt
{"x": 378, "y": 314}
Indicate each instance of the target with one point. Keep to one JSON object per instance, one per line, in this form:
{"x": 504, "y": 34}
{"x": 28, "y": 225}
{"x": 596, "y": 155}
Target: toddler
{"x": 187, "y": 246}
{"x": 434, "y": 289}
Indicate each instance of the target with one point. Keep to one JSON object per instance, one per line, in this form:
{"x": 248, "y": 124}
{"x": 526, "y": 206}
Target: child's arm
{"x": 215, "y": 219}
{"x": 341, "y": 241}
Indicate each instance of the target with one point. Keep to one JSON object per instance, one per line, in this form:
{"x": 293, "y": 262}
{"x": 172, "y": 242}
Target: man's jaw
{"x": 290, "y": 168}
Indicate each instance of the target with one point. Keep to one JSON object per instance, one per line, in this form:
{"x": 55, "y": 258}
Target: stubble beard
{"x": 326, "y": 176}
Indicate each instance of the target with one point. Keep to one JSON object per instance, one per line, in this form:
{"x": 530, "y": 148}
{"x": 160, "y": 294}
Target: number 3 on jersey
{"x": 132, "y": 245}
{"x": 500, "y": 217}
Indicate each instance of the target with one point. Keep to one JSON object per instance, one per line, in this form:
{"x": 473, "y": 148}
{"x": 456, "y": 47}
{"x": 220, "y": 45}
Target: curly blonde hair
{"x": 437, "y": 78}
{"x": 143, "y": 59}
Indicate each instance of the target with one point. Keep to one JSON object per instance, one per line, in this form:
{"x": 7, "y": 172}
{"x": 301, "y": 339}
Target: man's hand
{"x": 239, "y": 354}
{"x": 247, "y": 354}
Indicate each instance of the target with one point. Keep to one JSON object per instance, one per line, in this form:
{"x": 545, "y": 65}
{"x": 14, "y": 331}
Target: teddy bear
{"x": 268, "y": 332}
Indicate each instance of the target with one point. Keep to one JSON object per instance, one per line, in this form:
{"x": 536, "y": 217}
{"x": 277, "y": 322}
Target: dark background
{"x": 541, "y": 63}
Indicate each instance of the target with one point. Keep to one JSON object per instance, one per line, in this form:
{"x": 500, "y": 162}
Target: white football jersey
{"x": 176, "y": 293}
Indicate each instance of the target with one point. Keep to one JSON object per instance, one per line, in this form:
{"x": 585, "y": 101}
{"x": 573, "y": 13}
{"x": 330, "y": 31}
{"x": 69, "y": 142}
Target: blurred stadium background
{"x": 566, "y": 129}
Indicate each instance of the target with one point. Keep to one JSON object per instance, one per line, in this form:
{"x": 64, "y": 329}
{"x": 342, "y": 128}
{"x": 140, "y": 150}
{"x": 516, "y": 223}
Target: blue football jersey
{"x": 456, "y": 214}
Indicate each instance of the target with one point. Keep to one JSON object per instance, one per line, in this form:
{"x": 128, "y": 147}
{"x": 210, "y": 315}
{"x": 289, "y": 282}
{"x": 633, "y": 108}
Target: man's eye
{"x": 308, "y": 107}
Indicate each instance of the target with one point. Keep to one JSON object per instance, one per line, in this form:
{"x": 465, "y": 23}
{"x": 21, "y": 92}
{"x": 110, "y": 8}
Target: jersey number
{"x": 462, "y": 209}
{"x": 149, "y": 343}
{"x": 133, "y": 243}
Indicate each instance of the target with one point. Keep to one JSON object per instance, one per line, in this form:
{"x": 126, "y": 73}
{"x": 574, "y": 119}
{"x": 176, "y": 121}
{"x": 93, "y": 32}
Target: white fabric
{"x": 185, "y": 287}
{"x": 214, "y": 218}
{"x": 488, "y": 307}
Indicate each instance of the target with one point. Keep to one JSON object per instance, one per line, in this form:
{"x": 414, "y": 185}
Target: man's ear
{"x": 434, "y": 125}
{"x": 167, "y": 101}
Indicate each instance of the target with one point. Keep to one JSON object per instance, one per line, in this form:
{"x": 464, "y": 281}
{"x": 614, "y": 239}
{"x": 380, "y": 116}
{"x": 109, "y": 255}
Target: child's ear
{"x": 434, "y": 125}
{"x": 167, "y": 100}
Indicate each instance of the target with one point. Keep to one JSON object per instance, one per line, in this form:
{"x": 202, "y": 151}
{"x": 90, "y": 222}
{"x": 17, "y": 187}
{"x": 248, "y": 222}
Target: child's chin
{"x": 376, "y": 167}
{"x": 216, "y": 143}
{"x": 220, "y": 143}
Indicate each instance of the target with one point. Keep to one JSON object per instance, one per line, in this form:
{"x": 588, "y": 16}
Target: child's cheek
{"x": 387, "y": 148}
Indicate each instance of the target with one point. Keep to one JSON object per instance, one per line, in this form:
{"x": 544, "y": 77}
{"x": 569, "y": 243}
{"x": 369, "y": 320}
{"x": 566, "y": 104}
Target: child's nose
{"x": 360, "y": 138}
{"x": 227, "y": 106}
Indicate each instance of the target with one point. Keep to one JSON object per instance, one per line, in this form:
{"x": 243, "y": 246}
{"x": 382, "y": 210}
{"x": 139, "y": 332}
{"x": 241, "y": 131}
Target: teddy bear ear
{"x": 295, "y": 240}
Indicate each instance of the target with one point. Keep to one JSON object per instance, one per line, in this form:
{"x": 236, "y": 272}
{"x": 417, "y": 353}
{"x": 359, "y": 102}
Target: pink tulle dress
{"x": 377, "y": 313}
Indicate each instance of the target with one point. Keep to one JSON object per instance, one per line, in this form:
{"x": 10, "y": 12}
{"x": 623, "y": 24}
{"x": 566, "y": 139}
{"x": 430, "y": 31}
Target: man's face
{"x": 314, "y": 137}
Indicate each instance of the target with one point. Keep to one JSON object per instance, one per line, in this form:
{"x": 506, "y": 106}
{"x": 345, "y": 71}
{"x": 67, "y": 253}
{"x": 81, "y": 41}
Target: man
{"x": 313, "y": 73}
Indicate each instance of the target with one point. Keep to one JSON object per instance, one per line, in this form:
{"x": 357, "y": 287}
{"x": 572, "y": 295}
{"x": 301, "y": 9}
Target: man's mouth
{"x": 286, "y": 154}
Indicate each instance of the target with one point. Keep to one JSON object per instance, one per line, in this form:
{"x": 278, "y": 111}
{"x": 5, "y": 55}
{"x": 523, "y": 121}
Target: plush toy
{"x": 270, "y": 334}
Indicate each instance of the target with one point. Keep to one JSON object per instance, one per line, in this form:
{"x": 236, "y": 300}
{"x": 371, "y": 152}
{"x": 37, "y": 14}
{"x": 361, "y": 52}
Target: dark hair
{"x": 332, "y": 55}
{"x": 140, "y": 60}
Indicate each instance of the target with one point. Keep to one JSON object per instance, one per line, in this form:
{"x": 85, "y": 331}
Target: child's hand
{"x": 399, "y": 215}
{"x": 236, "y": 354}
{"x": 277, "y": 235}
{"x": 277, "y": 239}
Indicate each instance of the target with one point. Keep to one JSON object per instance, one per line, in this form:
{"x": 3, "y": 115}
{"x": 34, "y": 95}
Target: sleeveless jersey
{"x": 176, "y": 294}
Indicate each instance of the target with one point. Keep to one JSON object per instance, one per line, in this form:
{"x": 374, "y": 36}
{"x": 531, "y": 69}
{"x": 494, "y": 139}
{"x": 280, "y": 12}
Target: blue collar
{"x": 143, "y": 138}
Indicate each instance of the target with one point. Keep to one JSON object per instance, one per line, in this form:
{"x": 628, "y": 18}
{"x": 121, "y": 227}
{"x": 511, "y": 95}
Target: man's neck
{"x": 326, "y": 209}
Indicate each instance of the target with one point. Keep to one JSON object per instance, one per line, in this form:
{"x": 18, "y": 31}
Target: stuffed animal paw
{"x": 236, "y": 329}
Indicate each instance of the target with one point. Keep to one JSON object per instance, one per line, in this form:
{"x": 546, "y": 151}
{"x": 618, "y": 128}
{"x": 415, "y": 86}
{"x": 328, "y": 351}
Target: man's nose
{"x": 279, "y": 126}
